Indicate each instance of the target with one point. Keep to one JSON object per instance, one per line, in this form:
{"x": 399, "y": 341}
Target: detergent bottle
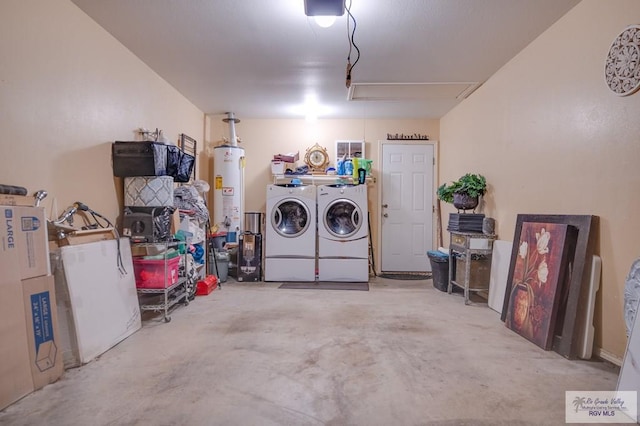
{"x": 356, "y": 165}
{"x": 348, "y": 167}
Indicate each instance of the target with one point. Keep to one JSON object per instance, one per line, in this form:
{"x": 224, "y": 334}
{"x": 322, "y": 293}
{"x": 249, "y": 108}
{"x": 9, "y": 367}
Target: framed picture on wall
{"x": 349, "y": 149}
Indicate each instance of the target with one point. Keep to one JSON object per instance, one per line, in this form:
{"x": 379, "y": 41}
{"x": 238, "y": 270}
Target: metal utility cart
{"x": 164, "y": 299}
{"x": 470, "y": 262}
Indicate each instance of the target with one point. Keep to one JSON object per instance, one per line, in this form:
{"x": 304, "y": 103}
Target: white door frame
{"x": 378, "y": 209}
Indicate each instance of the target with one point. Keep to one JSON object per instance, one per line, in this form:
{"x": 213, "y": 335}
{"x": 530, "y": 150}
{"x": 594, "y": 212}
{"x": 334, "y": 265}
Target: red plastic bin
{"x": 150, "y": 273}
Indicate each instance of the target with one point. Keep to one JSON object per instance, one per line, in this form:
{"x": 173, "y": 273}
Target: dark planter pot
{"x": 464, "y": 202}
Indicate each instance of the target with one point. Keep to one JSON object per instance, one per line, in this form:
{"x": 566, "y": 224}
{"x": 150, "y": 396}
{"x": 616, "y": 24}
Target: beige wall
{"x": 67, "y": 90}
{"x": 262, "y": 138}
{"x": 551, "y": 138}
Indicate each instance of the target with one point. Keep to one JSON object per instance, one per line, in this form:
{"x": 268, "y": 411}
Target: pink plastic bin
{"x": 150, "y": 273}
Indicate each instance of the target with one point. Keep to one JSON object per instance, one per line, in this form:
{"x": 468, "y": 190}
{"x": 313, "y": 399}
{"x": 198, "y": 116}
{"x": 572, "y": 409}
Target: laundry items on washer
{"x": 290, "y": 249}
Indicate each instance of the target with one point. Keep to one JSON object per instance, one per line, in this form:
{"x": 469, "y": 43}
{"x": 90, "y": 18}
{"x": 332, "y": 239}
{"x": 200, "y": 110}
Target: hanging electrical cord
{"x": 84, "y": 208}
{"x": 352, "y": 43}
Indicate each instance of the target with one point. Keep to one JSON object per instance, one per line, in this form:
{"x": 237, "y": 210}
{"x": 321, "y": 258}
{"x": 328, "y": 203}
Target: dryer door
{"x": 290, "y": 218}
{"x": 342, "y": 218}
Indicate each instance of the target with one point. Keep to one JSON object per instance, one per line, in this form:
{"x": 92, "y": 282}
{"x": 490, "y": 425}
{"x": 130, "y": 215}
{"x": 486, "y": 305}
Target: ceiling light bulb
{"x": 325, "y": 21}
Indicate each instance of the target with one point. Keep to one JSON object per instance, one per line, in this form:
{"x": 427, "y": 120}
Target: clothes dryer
{"x": 290, "y": 245}
{"x": 343, "y": 231}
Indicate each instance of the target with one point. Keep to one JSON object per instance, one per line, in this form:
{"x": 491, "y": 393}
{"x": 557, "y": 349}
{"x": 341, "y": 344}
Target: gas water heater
{"x": 228, "y": 195}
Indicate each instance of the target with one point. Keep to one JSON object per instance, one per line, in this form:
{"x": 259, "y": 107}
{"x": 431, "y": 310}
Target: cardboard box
{"x": 15, "y": 371}
{"x": 45, "y": 357}
{"x": 148, "y": 250}
{"x": 175, "y": 221}
{"x": 23, "y": 230}
{"x": 16, "y": 200}
{"x": 87, "y": 236}
{"x": 68, "y": 342}
{"x": 289, "y": 158}
{"x": 279, "y": 167}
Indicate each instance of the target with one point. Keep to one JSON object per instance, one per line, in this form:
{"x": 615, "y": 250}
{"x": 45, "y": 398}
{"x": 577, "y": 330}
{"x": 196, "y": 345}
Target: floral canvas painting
{"x": 538, "y": 279}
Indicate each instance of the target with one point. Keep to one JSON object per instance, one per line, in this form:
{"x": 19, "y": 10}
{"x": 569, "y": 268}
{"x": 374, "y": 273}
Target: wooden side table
{"x": 463, "y": 246}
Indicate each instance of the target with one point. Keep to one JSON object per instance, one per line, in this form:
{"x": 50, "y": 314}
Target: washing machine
{"x": 343, "y": 233}
{"x": 290, "y": 245}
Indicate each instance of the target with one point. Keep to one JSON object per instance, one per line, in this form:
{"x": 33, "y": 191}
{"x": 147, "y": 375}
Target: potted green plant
{"x": 464, "y": 192}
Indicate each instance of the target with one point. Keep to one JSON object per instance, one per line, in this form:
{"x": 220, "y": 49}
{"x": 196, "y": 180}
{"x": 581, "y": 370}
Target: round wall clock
{"x": 317, "y": 158}
{"x": 622, "y": 65}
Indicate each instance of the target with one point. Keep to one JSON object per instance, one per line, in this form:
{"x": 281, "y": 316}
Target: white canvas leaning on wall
{"x": 104, "y": 302}
{"x": 500, "y": 260}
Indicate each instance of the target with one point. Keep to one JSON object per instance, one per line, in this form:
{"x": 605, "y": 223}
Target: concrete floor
{"x": 252, "y": 354}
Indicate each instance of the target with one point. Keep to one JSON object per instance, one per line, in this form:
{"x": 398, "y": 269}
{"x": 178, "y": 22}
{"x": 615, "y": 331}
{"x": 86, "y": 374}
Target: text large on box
{"x": 43, "y": 331}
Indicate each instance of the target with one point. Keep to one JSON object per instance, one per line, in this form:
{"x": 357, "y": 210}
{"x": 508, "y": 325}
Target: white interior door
{"x": 407, "y": 207}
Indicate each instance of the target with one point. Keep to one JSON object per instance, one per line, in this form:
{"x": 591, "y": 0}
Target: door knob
{"x": 385, "y": 215}
{"x": 384, "y": 206}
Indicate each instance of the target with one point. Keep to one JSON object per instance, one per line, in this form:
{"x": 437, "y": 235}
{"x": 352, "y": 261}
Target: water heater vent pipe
{"x": 232, "y": 120}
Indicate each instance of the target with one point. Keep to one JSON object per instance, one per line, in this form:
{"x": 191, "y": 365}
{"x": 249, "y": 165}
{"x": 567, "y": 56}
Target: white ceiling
{"x": 263, "y": 58}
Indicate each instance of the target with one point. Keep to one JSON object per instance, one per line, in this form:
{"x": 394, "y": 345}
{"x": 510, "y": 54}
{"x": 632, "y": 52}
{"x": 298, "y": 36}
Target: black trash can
{"x": 439, "y": 269}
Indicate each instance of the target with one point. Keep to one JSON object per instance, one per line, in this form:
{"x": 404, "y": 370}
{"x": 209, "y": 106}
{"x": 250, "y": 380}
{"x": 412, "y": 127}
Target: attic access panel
{"x": 410, "y": 91}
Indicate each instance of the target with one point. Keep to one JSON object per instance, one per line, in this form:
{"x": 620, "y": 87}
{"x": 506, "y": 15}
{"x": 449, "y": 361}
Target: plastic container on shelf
{"x": 231, "y": 237}
{"x": 151, "y": 273}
